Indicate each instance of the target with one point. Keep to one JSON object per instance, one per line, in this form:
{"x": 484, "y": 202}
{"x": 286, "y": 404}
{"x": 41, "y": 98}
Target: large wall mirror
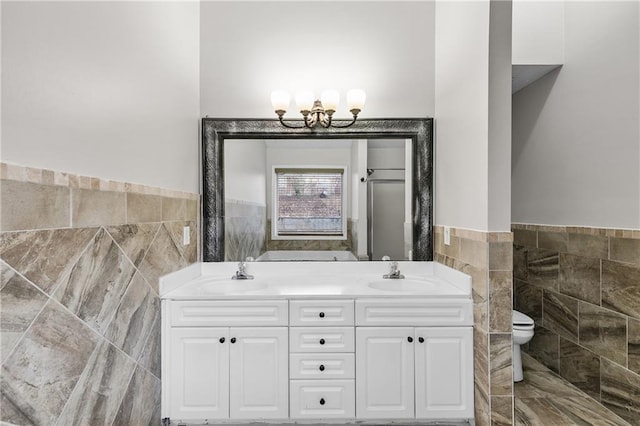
{"x": 355, "y": 193}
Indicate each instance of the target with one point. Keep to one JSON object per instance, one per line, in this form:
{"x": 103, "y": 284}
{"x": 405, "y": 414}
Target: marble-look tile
{"x": 95, "y": 286}
{"x": 604, "y": 332}
{"x": 545, "y": 347}
{"x": 633, "y": 348}
{"x": 620, "y": 391}
{"x": 141, "y": 403}
{"x": 542, "y": 268}
{"x": 190, "y": 251}
{"x": 520, "y": 263}
{"x": 134, "y": 239}
{"x": 555, "y": 241}
{"x": 38, "y": 377}
{"x": 193, "y": 210}
{"x": 92, "y": 208}
{"x": 621, "y": 287}
{"x": 150, "y": 358}
{"x": 501, "y": 256}
{"x": 500, "y": 301}
{"x": 482, "y": 412}
{"x": 543, "y": 384}
{"x": 474, "y": 252}
{"x": 625, "y": 250}
{"x": 580, "y": 367}
{"x": 528, "y": 300}
{"x": 479, "y": 279}
{"x": 25, "y": 205}
{"x": 96, "y": 398}
{"x": 501, "y": 410}
{"x": 481, "y": 359}
{"x": 21, "y": 302}
{"x": 501, "y": 369}
{"x": 524, "y": 237}
{"x": 452, "y": 249}
{"x": 162, "y": 258}
{"x": 481, "y": 316}
{"x": 563, "y": 412}
{"x": 560, "y": 315}
{"x": 174, "y": 208}
{"x": 580, "y": 277}
{"x": 43, "y": 257}
{"x": 135, "y": 317}
{"x": 143, "y": 208}
{"x": 588, "y": 245}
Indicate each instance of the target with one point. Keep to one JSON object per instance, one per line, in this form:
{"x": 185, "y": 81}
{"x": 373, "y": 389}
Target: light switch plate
{"x": 447, "y": 235}
{"x": 186, "y": 236}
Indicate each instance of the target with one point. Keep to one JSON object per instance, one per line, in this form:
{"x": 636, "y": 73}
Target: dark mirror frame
{"x": 216, "y": 130}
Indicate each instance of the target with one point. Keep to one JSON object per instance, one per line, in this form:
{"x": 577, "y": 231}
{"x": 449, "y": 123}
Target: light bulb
{"x": 355, "y": 99}
{"x": 280, "y": 100}
{"x": 330, "y": 99}
{"x": 304, "y": 100}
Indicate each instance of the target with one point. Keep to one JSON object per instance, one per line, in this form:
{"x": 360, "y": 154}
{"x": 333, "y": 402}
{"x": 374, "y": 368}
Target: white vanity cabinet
{"x": 220, "y": 361}
{"x": 413, "y": 372}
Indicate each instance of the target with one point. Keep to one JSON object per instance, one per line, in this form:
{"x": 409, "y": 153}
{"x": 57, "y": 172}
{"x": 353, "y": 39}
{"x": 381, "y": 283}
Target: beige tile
{"x": 91, "y": 208}
{"x": 500, "y": 301}
{"x": 474, "y": 252}
{"x": 501, "y": 256}
{"x": 193, "y": 210}
{"x": 500, "y": 361}
{"x": 27, "y": 205}
{"x": 633, "y": 347}
{"x": 143, "y": 208}
{"x": 604, "y": 332}
{"x": 174, "y": 208}
{"x": 501, "y": 410}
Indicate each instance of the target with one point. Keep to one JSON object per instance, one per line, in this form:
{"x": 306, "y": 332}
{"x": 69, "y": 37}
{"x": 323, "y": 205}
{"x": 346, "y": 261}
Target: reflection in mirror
{"x": 317, "y": 199}
{"x": 349, "y": 178}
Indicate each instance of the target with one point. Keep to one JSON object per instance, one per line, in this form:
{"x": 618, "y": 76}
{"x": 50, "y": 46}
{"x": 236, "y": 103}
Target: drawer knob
{"x": 421, "y": 339}
{"x": 233, "y": 340}
{"x": 321, "y": 314}
{"x": 222, "y": 340}
{"x": 410, "y": 339}
{"x": 322, "y": 341}
{"x": 322, "y": 401}
{"x": 321, "y": 367}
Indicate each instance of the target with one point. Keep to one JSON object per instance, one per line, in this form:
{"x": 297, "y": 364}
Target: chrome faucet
{"x": 394, "y": 272}
{"x": 241, "y": 273}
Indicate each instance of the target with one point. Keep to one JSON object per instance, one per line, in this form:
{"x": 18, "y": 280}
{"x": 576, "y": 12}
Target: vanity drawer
{"x": 322, "y": 399}
{"x": 321, "y": 312}
{"x": 321, "y": 339}
{"x": 205, "y": 313}
{"x": 414, "y": 312}
{"x": 322, "y": 366}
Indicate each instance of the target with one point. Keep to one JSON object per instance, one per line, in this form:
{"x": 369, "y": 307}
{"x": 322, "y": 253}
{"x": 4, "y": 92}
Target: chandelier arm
{"x": 355, "y": 117}
{"x": 290, "y": 126}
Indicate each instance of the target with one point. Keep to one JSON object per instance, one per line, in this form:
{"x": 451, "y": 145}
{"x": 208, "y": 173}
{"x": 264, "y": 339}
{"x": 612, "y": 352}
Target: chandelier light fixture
{"x": 319, "y": 111}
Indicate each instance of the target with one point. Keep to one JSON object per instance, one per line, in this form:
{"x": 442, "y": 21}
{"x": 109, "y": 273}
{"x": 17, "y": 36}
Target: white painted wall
{"x": 252, "y": 48}
{"x": 105, "y": 89}
{"x": 538, "y": 32}
{"x": 576, "y": 132}
{"x": 245, "y": 170}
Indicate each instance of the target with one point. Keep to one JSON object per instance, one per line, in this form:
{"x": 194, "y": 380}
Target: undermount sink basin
{"x": 402, "y": 285}
{"x": 231, "y": 287}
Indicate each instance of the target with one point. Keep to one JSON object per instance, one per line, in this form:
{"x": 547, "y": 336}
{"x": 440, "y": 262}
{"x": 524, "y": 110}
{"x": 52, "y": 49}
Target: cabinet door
{"x": 444, "y": 372}
{"x": 384, "y": 372}
{"x": 199, "y": 373}
{"x": 259, "y": 377}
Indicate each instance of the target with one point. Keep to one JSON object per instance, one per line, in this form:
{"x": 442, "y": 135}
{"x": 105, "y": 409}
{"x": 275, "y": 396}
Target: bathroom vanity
{"x": 316, "y": 341}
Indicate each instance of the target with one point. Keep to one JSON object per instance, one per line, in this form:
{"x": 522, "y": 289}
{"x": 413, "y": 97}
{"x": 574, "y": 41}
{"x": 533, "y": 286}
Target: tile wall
{"x": 582, "y": 288}
{"x": 340, "y": 245}
{"x": 487, "y": 257}
{"x": 245, "y": 227}
{"x": 80, "y": 259}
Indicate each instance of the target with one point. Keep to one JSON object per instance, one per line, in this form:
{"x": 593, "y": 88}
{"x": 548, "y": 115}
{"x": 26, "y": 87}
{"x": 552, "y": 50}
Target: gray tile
{"x": 189, "y": 251}
{"x": 621, "y": 287}
{"x": 481, "y": 359}
{"x": 143, "y": 208}
{"x": 135, "y": 317}
{"x": 580, "y": 367}
{"x": 542, "y": 268}
{"x": 625, "y": 250}
{"x": 520, "y": 263}
{"x": 620, "y": 391}
{"x": 25, "y": 205}
{"x": 500, "y": 301}
{"x": 21, "y": 302}
{"x": 528, "y": 300}
{"x": 96, "y": 398}
{"x": 162, "y": 258}
{"x": 634, "y": 345}
{"x": 501, "y": 369}
{"x": 556, "y": 241}
{"x": 580, "y": 277}
{"x": 95, "y": 285}
{"x": 43, "y": 257}
{"x": 501, "y": 410}
{"x": 545, "y": 347}
{"x": 588, "y": 245}
{"x": 523, "y": 237}
{"x": 501, "y": 256}
{"x": 482, "y": 412}
{"x": 93, "y": 208}
{"x": 604, "y": 332}
{"x": 560, "y": 315}
{"x": 141, "y": 403}
{"x": 38, "y": 377}
{"x": 150, "y": 358}
{"x": 134, "y": 239}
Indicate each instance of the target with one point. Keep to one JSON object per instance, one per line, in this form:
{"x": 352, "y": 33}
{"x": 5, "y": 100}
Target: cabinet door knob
{"x": 322, "y": 401}
{"x": 410, "y": 339}
{"x": 321, "y": 314}
{"x": 421, "y": 339}
{"x": 321, "y": 367}
{"x": 233, "y": 340}
{"x": 222, "y": 340}
{"x": 322, "y": 341}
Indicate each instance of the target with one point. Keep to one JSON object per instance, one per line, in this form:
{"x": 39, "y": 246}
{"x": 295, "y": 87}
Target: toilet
{"x": 522, "y": 332}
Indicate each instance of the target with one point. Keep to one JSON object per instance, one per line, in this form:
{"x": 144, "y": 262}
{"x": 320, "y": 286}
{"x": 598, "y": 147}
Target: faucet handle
{"x": 386, "y": 258}
{"x": 249, "y": 259}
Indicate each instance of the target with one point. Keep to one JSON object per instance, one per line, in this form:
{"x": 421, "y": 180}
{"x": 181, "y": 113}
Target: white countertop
{"x": 326, "y": 280}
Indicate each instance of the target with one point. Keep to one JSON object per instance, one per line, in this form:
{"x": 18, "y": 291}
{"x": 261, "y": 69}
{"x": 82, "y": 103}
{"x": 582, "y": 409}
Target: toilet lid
{"x": 521, "y": 319}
